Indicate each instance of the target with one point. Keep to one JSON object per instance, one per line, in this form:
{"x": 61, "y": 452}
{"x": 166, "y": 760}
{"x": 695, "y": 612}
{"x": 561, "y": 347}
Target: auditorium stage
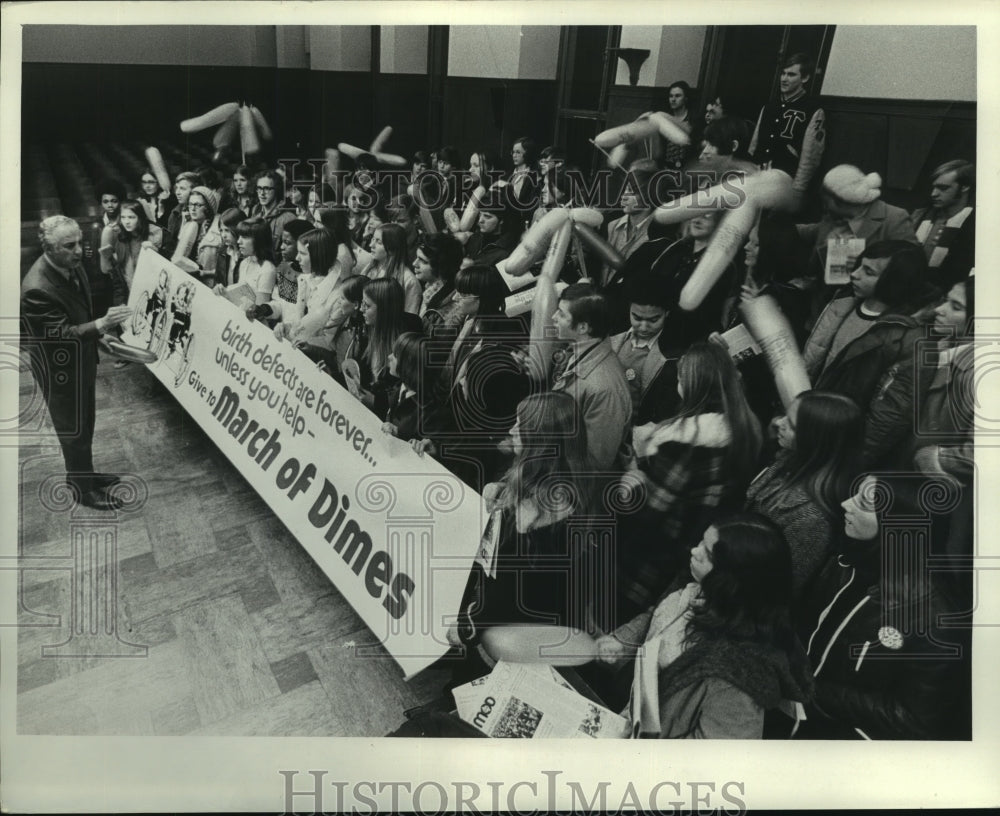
{"x": 245, "y": 635}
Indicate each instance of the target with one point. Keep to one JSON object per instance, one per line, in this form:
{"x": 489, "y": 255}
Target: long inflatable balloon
{"x": 768, "y": 325}
{"x": 555, "y": 258}
{"x": 380, "y": 140}
{"x": 451, "y": 220}
{"x": 185, "y": 239}
{"x": 249, "y": 141}
{"x": 216, "y": 116}
{"x": 159, "y": 168}
{"x": 625, "y": 134}
{"x": 550, "y": 645}
{"x": 618, "y": 156}
{"x": 714, "y": 198}
{"x": 607, "y": 253}
{"x": 729, "y": 236}
{"x": 262, "y": 127}
{"x": 350, "y": 150}
{"x": 769, "y": 190}
{"x": 227, "y": 132}
{"x": 535, "y": 241}
{"x": 390, "y": 159}
{"x": 547, "y": 298}
{"x": 472, "y": 209}
{"x": 587, "y": 215}
{"x": 669, "y": 129}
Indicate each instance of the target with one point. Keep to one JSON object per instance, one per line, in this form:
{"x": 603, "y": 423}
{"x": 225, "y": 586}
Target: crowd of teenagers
{"x": 747, "y": 568}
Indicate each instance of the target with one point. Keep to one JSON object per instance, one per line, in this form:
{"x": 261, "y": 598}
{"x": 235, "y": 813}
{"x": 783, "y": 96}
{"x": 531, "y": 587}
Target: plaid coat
{"x": 682, "y": 468}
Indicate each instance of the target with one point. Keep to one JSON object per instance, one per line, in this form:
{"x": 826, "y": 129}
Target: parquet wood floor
{"x": 245, "y": 635}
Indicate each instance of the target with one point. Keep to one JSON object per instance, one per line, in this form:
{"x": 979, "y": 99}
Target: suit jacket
{"x": 597, "y": 382}
{"x": 57, "y": 320}
{"x": 652, "y": 367}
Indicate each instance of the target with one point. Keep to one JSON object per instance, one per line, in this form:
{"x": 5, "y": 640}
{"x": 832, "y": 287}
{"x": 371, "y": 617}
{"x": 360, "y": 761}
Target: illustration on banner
{"x": 162, "y": 320}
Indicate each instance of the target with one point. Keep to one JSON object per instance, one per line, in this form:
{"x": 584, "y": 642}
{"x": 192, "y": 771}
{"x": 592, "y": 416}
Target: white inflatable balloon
{"x": 159, "y": 168}
{"x": 729, "y": 236}
{"x": 216, "y": 116}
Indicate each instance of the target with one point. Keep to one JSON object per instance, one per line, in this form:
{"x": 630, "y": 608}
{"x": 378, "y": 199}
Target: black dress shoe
{"x": 100, "y": 500}
{"x": 103, "y": 480}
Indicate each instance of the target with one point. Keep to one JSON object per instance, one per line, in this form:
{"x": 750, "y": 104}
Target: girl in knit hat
{"x": 200, "y": 239}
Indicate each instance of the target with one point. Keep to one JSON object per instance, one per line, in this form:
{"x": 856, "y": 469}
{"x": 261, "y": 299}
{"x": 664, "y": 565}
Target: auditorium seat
{"x": 61, "y": 178}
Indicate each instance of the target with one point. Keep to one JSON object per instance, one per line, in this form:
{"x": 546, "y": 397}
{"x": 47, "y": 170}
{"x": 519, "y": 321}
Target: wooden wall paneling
{"x": 473, "y": 114}
{"x": 342, "y": 105}
{"x": 402, "y": 101}
{"x": 903, "y": 140}
{"x": 489, "y": 114}
{"x": 911, "y": 139}
{"x": 856, "y": 138}
{"x": 626, "y": 103}
{"x": 531, "y": 111}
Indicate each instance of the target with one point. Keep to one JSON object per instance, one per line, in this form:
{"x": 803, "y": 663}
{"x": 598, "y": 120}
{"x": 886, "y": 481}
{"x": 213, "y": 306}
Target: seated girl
{"x": 200, "y": 240}
{"x": 256, "y": 268}
{"x": 388, "y": 247}
{"x": 720, "y": 652}
{"x": 874, "y": 625}
{"x": 406, "y": 404}
{"x": 312, "y": 320}
{"x": 541, "y": 546}
{"x": 687, "y": 468}
{"x": 497, "y": 232}
{"x": 288, "y": 271}
{"x": 820, "y": 439}
{"x": 366, "y": 369}
{"x": 121, "y": 244}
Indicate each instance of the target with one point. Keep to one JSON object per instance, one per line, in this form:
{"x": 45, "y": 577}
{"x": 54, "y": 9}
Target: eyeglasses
{"x": 193, "y": 204}
{"x": 264, "y": 189}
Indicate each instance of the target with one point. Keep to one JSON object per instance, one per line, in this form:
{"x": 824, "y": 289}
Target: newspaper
{"x": 514, "y": 282}
{"x": 238, "y": 293}
{"x": 527, "y": 701}
{"x": 840, "y": 256}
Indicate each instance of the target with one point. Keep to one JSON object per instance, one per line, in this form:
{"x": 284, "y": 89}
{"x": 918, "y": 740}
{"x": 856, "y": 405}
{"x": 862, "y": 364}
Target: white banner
{"x": 394, "y": 532}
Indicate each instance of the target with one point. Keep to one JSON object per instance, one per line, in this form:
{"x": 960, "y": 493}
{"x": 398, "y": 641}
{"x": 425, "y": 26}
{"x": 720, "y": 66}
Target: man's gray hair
{"x": 48, "y": 228}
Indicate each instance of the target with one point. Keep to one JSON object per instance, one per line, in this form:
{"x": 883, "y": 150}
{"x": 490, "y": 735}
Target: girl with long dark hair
{"x": 406, "y": 403}
{"x": 240, "y": 193}
{"x": 720, "y": 652}
{"x": 382, "y": 309}
{"x": 820, "y": 438}
{"x": 256, "y": 266}
{"x": 122, "y": 242}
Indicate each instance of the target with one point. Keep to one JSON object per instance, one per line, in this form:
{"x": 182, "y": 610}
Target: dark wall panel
{"x": 62, "y": 102}
{"x": 489, "y": 114}
{"x": 901, "y": 140}
{"x": 402, "y": 100}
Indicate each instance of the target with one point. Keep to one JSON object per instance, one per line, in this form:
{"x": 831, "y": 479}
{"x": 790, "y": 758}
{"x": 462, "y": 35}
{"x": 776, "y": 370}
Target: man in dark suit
{"x": 60, "y": 335}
